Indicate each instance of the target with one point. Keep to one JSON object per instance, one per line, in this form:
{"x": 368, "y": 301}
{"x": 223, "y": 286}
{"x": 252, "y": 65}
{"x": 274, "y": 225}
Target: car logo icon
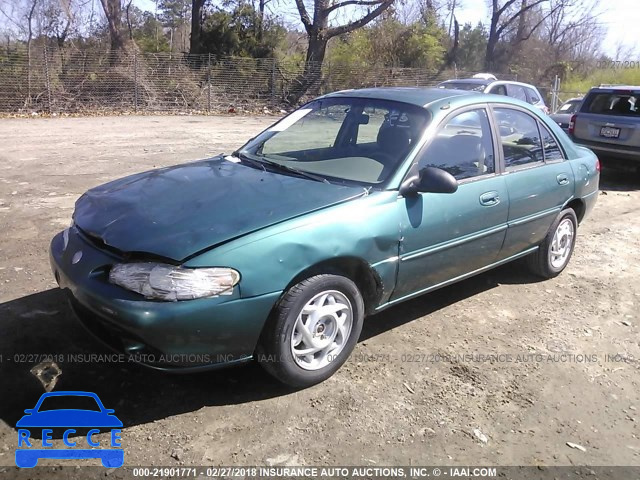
{"x": 93, "y": 416}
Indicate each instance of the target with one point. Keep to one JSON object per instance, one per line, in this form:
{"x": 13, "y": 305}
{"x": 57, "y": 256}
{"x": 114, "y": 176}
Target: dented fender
{"x": 366, "y": 228}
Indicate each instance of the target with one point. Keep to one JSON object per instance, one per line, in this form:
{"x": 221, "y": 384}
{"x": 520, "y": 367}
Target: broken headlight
{"x": 170, "y": 283}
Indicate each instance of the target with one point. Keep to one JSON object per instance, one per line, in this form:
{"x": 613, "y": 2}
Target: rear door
{"x": 539, "y": 180}
{"x": 516, "y": 91}
{"x": 610, "y": 116}
{"x": 535, "y": 99}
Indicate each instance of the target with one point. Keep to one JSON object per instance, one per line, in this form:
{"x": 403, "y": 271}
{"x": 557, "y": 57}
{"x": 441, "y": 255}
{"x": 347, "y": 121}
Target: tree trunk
{"x": 452, "y": 54}
{"x": 195, "y": 45}
{"x": 113, "y": 12}
{"x": 261, "y": 8}
{"x": 29, "y": 39}
{"x": 312, "y": 74}
{"x": 492, "y": 41}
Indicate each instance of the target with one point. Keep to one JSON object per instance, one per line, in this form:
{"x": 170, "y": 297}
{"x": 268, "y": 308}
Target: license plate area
{"x": 609, "y": 132}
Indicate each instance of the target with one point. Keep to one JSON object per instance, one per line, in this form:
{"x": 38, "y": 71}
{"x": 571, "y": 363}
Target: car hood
{"x": 178, "y": 211}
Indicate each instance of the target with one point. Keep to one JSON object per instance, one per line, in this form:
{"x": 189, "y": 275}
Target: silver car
{"x": 608, "y": 123}
{"x": 522, "y": 91}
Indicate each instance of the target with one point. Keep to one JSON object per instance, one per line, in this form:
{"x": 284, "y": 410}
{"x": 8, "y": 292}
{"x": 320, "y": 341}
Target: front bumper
{"x": 185, "y": 335}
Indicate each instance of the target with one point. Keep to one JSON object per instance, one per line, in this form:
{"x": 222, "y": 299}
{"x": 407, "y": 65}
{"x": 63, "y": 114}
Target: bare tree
{"x": 196, "y": 26}
{"x": 504, "y": 15}
{"x": 572, "y": 33}
{"x": 113, "y": 13}
{"x": 319, "y": 32}
{"x": 21, "y": 15}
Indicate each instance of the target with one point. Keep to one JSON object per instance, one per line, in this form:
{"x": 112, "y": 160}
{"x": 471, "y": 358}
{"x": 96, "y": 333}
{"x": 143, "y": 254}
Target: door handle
{"x": 488, "y": 199}
{"x": 563, "y": 179}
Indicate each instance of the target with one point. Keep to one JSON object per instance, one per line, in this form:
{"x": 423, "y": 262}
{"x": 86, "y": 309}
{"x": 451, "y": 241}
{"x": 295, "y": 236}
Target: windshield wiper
{"x": 282, "y": 167}
{"x": 247, "y": 159}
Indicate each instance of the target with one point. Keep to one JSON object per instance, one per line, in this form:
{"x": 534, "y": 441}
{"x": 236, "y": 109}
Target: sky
{"x": 621, "y": 18}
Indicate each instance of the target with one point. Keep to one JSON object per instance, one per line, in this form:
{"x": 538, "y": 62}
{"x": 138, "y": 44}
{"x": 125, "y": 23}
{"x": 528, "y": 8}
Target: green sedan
{"x": 357, "y": 201}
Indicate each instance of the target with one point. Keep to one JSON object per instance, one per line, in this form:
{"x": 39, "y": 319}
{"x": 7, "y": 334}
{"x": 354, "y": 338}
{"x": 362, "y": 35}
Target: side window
{"x": 499, "y": 90}
{"x": 517, "y": 91}
{"x": 368, "y": 133}
{"x": 534, "y": 98}
{"x": 463, "y": 146}
{"x": 552, "y": 151}
{"x": 519, "y": 137}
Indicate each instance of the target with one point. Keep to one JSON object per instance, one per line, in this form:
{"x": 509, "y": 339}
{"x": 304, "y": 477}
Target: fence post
{"x": 273, "y": 82}
{"x": 135, "y": 81}
{"x": 209, "y": 83}
{"x": 46, "y": 75}
{"x": 555, "y": 93}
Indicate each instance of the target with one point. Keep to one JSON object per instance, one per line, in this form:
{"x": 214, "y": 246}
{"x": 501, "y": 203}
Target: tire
{"x": 330, "y": 335}
{"x": 549, "y": 260}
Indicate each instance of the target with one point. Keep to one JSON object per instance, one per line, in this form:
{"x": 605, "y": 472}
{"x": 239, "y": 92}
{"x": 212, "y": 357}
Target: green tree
{"x": 390, "y": 42}
{"x": 472, "y": 48}
{"x": 240, "y": 32}
{"x": 176, "y": 16}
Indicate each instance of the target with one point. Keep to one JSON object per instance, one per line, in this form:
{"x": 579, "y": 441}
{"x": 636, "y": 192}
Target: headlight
{"x": 170, "y": 283}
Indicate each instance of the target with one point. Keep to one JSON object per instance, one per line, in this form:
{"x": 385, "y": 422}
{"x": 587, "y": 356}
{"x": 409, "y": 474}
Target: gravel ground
{"x": 419, "y": 389}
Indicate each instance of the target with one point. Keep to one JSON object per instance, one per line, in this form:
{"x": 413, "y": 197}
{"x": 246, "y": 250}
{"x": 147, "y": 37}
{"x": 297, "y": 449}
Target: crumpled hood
{"x": 177, "y": 211}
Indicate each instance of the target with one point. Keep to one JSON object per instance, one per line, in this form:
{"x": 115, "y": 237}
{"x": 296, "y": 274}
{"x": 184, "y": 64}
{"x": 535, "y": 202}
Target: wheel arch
{"x": 355, "y": 269}
{"x": 578, "y": 206}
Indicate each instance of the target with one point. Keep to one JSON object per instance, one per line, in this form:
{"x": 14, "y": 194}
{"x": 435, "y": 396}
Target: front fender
{"x": 366, "y": 228}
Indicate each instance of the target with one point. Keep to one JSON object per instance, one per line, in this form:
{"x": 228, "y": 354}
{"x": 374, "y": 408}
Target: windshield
{"x": 570, "y": 107}
{"x": 474, "y": 86}
{"x": 341, "y": 139}
{"x": 65, "y": 402}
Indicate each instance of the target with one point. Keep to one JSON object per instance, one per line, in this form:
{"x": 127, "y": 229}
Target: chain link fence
{"x": 65, "y": 81}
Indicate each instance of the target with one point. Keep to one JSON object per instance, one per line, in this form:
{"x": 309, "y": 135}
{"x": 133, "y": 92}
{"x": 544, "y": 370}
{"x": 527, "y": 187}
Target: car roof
{"x": 479, "y": 81}
{"x": 70, "y": 393}
{"x": 609, "y": 88}
{"x": 419, "y": 96}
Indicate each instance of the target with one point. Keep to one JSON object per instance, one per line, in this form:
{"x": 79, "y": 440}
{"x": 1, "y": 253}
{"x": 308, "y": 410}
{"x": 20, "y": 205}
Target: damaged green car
{"x": 355, "y": 202}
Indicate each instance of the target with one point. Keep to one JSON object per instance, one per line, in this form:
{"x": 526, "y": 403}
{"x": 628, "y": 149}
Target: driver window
{"x": 519, "y": 137}
{"x": 368, "y": 132}
{"x": 463, "y": 146}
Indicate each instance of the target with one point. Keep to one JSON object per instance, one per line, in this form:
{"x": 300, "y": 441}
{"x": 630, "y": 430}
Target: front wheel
{"x": 555, "y": 251}
{"x": 312, "y": 331}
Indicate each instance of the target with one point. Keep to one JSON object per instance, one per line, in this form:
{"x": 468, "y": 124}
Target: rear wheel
{"x": 555, "y": 251}
{"x": 312, "y": 331}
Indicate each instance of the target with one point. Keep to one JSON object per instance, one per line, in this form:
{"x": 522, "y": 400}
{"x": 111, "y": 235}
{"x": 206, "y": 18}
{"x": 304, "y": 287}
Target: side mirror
{"x": 429, "y": 179}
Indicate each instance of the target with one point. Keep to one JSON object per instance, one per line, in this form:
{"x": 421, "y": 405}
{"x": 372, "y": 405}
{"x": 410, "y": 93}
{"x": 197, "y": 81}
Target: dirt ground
{"x": 420, "y": 388}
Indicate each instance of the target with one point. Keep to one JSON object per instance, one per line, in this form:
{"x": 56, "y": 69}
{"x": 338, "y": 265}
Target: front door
{"x": 445, "y": 236}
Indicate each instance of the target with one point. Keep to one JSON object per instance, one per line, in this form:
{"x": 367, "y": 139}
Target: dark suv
{"x": 608, "y": 123}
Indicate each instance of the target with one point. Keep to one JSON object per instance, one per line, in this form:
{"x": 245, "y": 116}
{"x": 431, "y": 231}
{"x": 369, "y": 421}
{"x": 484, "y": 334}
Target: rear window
{"x": 615, "y": 103}
{"x": 569, "y": 107}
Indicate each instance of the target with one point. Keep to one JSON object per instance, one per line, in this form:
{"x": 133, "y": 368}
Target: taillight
{"x": 572, "y": 124}
{"x": 598, "y": 165}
